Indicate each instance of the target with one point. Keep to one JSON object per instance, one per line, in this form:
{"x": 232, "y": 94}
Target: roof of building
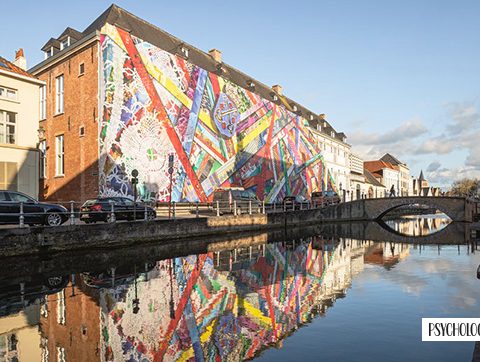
{"x": 370, "y": 178}
{"x": 140, "y": 28}
{"x": 10, "y": 67}
{"x": 421, "y": 178}
{"x": 392, "y": 159}
{"x": 378, "y": 166}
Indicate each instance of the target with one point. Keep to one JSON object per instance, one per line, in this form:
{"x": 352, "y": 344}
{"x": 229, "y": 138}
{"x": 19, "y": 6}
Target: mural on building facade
{"x": 156, "y": 104}
{"x": 209, "y": 307}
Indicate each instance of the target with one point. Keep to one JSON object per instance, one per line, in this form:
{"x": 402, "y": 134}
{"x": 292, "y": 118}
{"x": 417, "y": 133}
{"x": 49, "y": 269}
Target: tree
{"x": 466, "y": 188}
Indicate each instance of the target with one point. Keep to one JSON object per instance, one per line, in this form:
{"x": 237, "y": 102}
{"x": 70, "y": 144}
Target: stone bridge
{"x": 456, "y": 208}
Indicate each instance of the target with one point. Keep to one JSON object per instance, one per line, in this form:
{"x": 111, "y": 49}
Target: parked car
{"x": 35, "y": 212}
{"x": 295, "y": 202}
{"x": 228, "y": 197}
{"x": 100, "y": 209}
{"x": 328, "y": 197}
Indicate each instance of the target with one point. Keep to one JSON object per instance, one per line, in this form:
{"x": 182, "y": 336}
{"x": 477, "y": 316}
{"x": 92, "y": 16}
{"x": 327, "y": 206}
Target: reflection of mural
{"x": 212, "y": 307}
{"x": 155, "y": 103}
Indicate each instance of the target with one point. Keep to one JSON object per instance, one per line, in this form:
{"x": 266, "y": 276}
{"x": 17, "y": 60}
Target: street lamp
{"x": 134, "y": 186}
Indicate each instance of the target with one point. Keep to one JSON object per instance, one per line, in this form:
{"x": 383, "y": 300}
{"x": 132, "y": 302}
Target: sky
{"x": 396, "y": 76}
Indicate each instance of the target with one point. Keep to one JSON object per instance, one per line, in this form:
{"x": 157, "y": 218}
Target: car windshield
{"x": 14, "y": 196}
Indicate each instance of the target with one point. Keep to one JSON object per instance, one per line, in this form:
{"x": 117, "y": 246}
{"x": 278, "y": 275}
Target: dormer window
{"x": 319, "y": 128}
{"x": 65, "y": 43}
{"x": 49, "y": 53}
{"x": 332, "y": 134}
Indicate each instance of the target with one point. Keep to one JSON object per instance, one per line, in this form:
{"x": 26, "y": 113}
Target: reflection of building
{"x": 417, "y": 225}
{"x": 226, "y": 305}
{"x": 120, "y": 100}
{"x": 69, "y": 325}
{"x": 19, "y": 115}
{"x": 19, "y": 336}
{"x": 387, "y": 254}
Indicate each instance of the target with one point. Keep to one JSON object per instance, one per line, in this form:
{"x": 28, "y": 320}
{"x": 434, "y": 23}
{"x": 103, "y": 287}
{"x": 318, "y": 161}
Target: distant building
{"x": 374, "y": 187}
{"x": 19, "y": 115}
{"x": 405, "y": 184}
{"x": 421, "y": 187}
{"x": 358, "y": 187}
{"x": 386, "y": 173}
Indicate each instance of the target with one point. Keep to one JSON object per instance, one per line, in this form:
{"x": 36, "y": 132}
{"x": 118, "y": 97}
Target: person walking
{"x": 392, "y": 191}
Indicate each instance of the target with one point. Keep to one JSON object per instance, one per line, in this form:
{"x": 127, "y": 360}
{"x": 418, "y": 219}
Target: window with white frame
{"x": 43, "y": 102}
{"x": 43, "y": 158}
{"x": 59, "y": 94}
{"x": 59, "y": 161}
{"x": 8, "y": 123}
{"x": 8, "y": 93}
{"x": 48, "y": 53}
{"x": 65, "y": 43}
{"x": 61, "y": 310}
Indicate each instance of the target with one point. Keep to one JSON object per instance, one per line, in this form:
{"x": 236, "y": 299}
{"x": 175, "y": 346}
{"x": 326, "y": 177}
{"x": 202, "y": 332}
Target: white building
{"x": 386, "y": 173}
{"x": 19, "y": 116}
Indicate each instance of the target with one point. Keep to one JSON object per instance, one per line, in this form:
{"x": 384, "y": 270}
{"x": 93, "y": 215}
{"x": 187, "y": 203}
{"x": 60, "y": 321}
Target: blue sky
{"x": 396, "y": 76}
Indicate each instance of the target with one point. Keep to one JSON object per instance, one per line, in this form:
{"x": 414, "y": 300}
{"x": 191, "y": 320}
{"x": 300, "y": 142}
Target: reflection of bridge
{"x": 456, "y": 208}
{"x": 453, "y": 233}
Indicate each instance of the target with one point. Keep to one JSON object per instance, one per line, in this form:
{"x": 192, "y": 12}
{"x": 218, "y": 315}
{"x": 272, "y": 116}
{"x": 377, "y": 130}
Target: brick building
{"x": 123, "y": 95}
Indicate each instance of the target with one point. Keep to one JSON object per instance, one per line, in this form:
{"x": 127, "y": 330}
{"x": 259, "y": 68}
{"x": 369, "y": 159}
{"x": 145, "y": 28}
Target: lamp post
{"x": 170, "y": 172}
{"x": 134, "y": 186}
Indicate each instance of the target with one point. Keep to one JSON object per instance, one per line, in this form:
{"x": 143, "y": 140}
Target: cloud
{"x": 407, "y": 130}
{"x": 433, "y": 166}
{"x": 465, "y": 118}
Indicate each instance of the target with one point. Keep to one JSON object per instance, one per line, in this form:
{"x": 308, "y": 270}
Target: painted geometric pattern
{"x": 192, "y": 308}
{"x": 221, "y": 135}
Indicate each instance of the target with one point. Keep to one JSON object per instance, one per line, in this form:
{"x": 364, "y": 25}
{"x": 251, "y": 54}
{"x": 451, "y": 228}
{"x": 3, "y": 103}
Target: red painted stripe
{"x": 261, "y": 178}
{"x": 161, "y": 114}
{"x": 162, "y": 348}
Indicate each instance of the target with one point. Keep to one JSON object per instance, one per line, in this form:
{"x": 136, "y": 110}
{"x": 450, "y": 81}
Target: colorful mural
{"x": 223, "y": 306}
{"x": 156, "y": 104}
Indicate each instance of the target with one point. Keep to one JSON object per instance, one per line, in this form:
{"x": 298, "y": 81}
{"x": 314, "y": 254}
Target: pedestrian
{"x": 392, "y": 191}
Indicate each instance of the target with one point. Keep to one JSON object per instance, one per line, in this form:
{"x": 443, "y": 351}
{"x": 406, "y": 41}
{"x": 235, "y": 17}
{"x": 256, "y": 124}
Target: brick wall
{"x": 80, "y": 179}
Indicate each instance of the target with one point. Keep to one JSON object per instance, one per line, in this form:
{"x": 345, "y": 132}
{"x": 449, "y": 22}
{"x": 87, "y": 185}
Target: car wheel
{"x": 109, "y": 218}
{"x": 53, "y": 219}
{"x": 151, "y": 215}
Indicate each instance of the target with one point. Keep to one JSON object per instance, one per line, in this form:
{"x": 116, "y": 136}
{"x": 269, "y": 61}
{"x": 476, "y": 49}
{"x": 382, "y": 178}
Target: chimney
{"x": 216, "y": 55}
{"x": 322, "y": 116}
{"x": 278, "y": 89}
{"x": 20, "y": 60}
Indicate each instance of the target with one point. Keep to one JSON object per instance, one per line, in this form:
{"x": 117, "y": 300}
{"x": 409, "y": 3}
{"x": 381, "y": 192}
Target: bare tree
{"x": 466, "y": 188}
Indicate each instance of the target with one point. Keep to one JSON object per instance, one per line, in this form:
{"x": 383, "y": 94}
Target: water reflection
{"x": 223, "y": 305}
{"x": 419, "y": 226}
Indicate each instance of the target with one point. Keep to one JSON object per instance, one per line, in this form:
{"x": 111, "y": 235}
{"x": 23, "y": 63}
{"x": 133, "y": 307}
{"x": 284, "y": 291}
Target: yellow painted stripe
{"x": 262, "y": 125}
{"x": 256, "y": 313}
{"x": 205, "y": 337}
{"x": 111, "y": 32}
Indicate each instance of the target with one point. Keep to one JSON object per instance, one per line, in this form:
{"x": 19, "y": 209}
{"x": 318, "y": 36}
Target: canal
{"x": 310, "y": 297}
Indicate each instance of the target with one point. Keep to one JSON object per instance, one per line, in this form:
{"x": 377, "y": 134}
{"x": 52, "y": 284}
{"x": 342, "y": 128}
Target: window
{"x": 59, "y": 95}
{"x": 49, "y": 53}
{"x": 8, "y": 122}
{"x": 65, "y": 43}
{"x": 8, "y": 176}
{"x": 17, "y": 197}
{"x": 43, "y": 102}
{"x": 81, "y": 69}
{"x": 43, "y": 158}
{"x": 81, "y": 131}
{"x": 8, "y": 93}
{"x": 61, "y": 354}
{"x": 59, "y": 162}
{"x": 61, "y": 307}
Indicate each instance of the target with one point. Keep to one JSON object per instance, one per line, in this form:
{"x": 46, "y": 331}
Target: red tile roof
{"x": 10, "y": 67}
{"x": 378, "y": 166}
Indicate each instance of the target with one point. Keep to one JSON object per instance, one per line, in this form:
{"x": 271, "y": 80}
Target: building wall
{"x": 221, "y": 134}
{"x": 23, "y": 153}
{"x": 70, "y": 321}
{"x": 80, "y": 179}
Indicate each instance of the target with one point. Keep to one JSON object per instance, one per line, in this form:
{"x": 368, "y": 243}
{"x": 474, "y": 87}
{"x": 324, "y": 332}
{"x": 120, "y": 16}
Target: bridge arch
{"x": 454, "y": 207}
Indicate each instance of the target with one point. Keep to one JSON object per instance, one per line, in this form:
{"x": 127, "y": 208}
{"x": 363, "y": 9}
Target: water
{"x": 315, "y": 298}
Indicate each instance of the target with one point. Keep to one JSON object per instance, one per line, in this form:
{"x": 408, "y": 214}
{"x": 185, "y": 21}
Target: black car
{"x": 100, "y": 209}
{"x": 34, "y": 212}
